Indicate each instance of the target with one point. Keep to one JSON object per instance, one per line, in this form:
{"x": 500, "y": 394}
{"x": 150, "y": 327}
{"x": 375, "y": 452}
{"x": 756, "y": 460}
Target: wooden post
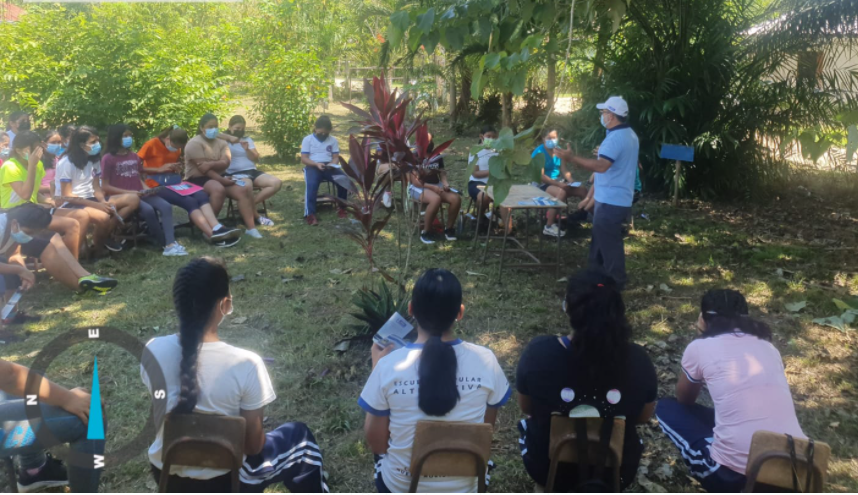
{"x": 349, "y": 79}
{"x": 676, "y": 183}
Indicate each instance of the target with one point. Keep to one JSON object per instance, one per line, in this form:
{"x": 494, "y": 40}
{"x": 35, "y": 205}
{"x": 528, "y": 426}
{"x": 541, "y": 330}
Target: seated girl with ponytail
{"x": 205, "y": 375}
{"x": 734, "y": 357}
{"x": 596, "y": 371}
{"x": 437, "y": 378}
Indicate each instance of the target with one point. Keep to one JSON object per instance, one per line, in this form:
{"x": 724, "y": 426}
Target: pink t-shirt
{"x": 122, "y": 171}
{"x": 745, "y": 377}
{"x": 50, "y": 175}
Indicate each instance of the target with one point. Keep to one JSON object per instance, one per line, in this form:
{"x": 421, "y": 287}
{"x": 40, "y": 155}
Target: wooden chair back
{"x": 770, "y": 463}
{"x": 204, "y": 441}
{"x": 451, "y": 449}
{"x": 563, "y": 446}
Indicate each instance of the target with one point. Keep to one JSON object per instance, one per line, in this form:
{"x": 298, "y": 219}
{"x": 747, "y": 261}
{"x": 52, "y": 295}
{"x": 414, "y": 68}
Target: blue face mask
{"x": 4, "y": 153}
{"x": 171, "y": 149}
{"x": 21, "y": 237}
{"x": 211, "y": 133}
{"x": 55, "y": 149}
{"x": 96, "y": 149}
{"x": 602, "y": 121}
{"x": 127, "y": 141}
{"x": 551, "y": 143}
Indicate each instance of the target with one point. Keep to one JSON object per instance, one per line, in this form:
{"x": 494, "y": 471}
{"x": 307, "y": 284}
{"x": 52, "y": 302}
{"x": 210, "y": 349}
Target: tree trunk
{"x": 552, "y": 80}
{"x": 465, "y": 95}
{"x": 506, "y": 102}
{"x": 601, "y": 45}
{"x": 452, "y": 94}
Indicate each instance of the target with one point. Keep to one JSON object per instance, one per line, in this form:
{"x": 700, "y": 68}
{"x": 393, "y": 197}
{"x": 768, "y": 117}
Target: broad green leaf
{"x": 796, "y": 306}
{"x": 519, "y": 81}
{"x": 491, "y": 60}
{"x": 449, "y": 14}
{"x": 497, "y": 167}
{"x": 415, "y": 38}
{"x": 537, "y": 163}
{"x": 842, "y": 305}
{"x": 401, "y": 20}
{"x": 500, "y": 190}
{"x": 547, "y": 14}
{"x": 527, "y": 9}
{"x": 505, "y": 140}
{"x": 394, "y": 35}
{"x": 430, "y": 41}
{"x": 521, "y": 156}
{"x": 455, "y": 37}
{"x": 484, "y": 29}
{"x": 477, "y": 85}
{"x": 425, "y": 20}
{"x": 525, "y": 133}
{"x": 832, "y": 321}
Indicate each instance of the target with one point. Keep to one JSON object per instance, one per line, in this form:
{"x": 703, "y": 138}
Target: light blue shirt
{"x": 552, "y": 163}
{"x": 616, "y": 186}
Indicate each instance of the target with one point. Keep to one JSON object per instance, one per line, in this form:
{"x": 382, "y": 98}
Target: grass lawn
{"x": 293, "y": 304}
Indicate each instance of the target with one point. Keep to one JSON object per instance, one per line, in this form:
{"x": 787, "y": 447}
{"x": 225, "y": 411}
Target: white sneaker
{"x": 175, "y": 249}
{"x": 265, "y": 221}
{"x": 387, "y": 199}
{"x": 553, "y": 231}
{"x": 253, "y": 233}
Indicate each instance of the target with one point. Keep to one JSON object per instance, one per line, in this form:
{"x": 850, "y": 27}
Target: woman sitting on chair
{"x": 208, "y": 376}
{"x": 431, "y": 188}
{"x": 433, "y": 378}
{"x": 242, "y": 163}
{"x": 556, "y": 179}
{"x": 734, "y": 357}
{"x": 594, "y": 372}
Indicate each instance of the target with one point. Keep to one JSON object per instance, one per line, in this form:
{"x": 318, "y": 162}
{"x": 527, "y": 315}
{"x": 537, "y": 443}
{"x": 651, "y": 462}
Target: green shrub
{"x": 148, "y": 65}
{"x": 288, "y": 86}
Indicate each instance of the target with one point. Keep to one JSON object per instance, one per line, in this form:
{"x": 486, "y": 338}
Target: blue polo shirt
{"x": 616, "y": 186}
{"x": 552, "y": 163}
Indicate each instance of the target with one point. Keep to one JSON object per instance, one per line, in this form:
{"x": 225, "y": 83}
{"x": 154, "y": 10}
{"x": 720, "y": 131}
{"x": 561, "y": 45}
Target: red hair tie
{"x": 600, "y": 285}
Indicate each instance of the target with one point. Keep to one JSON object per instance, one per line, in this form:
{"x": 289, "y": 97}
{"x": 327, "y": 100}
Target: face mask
{"x": 26, "y": 157}
{"x": 322, "y": 137}
{"x": 211, "y": 133}
{"x": 238, "y": 134}
{"x": 127, "y": 141}
{"x": 24, "y": 126}
{"x": 171, "y": 149}
{"x": 55, "y": 149}
{"x": 4, "y": 153}
{"x": 602, "y": 121}
{"x": 488, "y": 142}
{"x": 551, "y": 143}
{"x": 96, "y": 149}
{"x": 21, "y": 237}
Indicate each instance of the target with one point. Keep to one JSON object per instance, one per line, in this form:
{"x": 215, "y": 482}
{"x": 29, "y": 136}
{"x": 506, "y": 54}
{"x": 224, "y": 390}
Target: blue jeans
{"x": 606, "y": 248}
{"x": 17, "y": 438}
{"x": 313, "y": 178}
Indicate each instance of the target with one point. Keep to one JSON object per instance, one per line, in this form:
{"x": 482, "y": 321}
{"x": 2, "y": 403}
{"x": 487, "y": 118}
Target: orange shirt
{"x": 155, "y": 155}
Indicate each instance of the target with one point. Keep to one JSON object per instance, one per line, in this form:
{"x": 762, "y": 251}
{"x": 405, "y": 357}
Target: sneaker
{"x": 311, "y": 220}
{"x": 226, "y": 243}
{"x": 553, "y": 231}
{"x": 113, "y": 245}
{"x": 225, "y": 233}
{"x": 175, "y": 249}
{"x": 387, "y": 199}
{"x": 264, "y": 221}
{"x": 342, "y": 213}
{"x": 253, "y": 233}
{"x": 450, "y": 234}
{"x": 95, "y": 283}
{"x": 51, "y": 475}
{"x": 427, "y": 238}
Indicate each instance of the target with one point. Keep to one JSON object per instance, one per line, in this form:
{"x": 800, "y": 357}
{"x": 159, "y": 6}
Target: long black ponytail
{"x": 435, "y": 302}
{"x": 198, "y": 288}
{"x": 726, "y": 311}
{"x": 601, "y": 331}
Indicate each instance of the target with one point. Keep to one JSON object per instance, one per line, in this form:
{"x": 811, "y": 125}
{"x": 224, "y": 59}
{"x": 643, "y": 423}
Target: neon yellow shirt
{"x": 13, "y": 171}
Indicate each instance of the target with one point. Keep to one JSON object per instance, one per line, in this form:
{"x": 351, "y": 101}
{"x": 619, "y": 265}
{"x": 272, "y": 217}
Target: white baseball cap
{"x": 616, "y": 105}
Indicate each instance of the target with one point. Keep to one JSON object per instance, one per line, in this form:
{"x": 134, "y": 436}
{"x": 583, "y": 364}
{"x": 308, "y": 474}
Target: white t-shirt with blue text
{"x": 392, "y": 389}
{"x": 320, "y": 151}
{"x": 616, "y": 186}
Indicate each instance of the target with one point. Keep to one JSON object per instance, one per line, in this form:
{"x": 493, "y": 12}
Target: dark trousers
{"x": 313, "y": 178}
{"x": 290, "y": 456}
{"x": 606, "y": 247}
{"x": 691, "y": 428}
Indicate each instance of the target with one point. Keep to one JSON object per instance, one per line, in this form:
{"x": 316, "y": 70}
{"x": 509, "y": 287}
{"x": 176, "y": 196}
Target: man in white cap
{"x": 615, "y": 169}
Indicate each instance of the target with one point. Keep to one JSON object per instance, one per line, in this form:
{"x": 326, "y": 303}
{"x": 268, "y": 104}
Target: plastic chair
{"x": 773, "y": 463}
{"x": 130, "y": 230}
{"x": 564, "y": 446}
{"x": 203, "y": 440}
{"x": 451, "y": 449}
{"x": 232, "y": 211}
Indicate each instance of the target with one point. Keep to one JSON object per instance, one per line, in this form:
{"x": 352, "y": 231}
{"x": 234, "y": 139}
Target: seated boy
{"x": 66, "y": 413}
{"x": 320, "y": 155}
